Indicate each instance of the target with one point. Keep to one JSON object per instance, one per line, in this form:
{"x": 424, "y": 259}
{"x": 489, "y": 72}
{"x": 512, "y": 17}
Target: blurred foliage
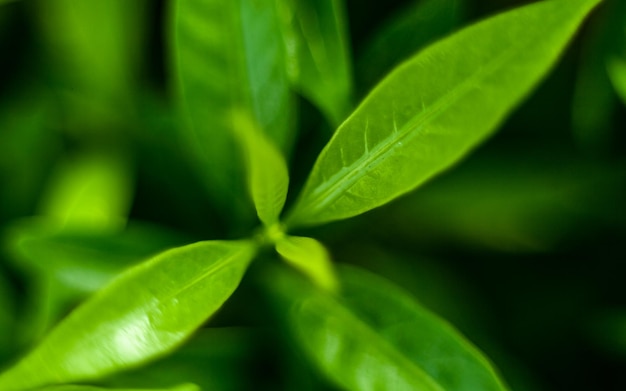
{"x": 520, "y": 246}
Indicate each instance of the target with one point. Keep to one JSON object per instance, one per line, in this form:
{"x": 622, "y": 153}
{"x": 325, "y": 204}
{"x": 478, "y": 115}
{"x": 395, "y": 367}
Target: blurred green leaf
{"x": 182, "y": 387}
{"x": 407, "y": 31}
{"x": 95, "y": 48}
{"x": 311, "y": 258}
{"x": 268, "y": 179}
{"x": 145, "y": 312}
{"x": 229, "y": 56}
{"x": 505, "y": 202}
{"x": 317, "y": 54}
{"x": 594, "y": 98}
{"x": 433, "y": 109}
{"x": 375, "y": 336}
{"x": 91, "y": 191}
{"x": 27, "y": 148}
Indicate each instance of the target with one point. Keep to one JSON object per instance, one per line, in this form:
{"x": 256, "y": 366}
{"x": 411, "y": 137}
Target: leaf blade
{"x": 310, "y": 257}
{"x": 228, "y": 56}
{"x": 399, "y": 137}
{"x": 318, "y": 63}
{"x": 267, "y": 175}
{"x": 375, "y": 336}
{"x": 145, "y": 312}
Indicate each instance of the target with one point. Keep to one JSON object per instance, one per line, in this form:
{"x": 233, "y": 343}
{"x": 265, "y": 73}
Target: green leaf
{"x": 407, "y": 31}
{"x": 92, "y": 191}
{"x": 145, "y": 312}
{"x": 433, "y": 109}
{"x": 66, "y": 265}
{"x": 95, "y": 52}
{"x": 311, "y": 258}
{"x": 268, "y": 179}
{"x": 317, "y": 54}
{"x": 229, "y": 56}
{"x": 375, "y": 336}
{"x": 182, "y": 387}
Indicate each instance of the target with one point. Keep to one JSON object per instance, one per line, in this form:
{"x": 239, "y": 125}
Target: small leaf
{"x": 377, "y": 337}
{"x": 433, "y": 109}
{"x": 182, "y": 387}
{"x": 268, "y": 179}
{"x": 227, "y": 56}
{"x": 145, "y": 312}
{"x": 310, "y": 257}
{"x": 317, "y": 54}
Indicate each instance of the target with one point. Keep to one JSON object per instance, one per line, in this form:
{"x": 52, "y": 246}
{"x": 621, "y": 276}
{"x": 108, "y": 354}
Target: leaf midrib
{"x": 338, "y": 184}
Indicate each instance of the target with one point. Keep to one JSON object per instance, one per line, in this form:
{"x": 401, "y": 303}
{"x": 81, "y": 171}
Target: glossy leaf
{"x": 311, "y": 258}
{"x": 268, "y": 179}
{"x": 182, "y": 387}
{"x": 145, "y": 312}
{"x": 375, "y": 336}
{"x": 317, "y": 54}
{"x": 66, "y": 265}
{"x": 228, "y": 56}
{"x": 92, "y": 191}
{"x": 407, "y": 31}
{"x": 213, "y": 358}
{"x": 434, "y": 108}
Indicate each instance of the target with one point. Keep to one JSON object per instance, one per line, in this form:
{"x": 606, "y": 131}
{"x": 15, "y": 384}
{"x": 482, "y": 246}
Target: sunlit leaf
{"x": 317, "y": 54}
{"x": 145, "y": 312}
{"x": 375, "y": 336}
{"x": 213, "y": 358}
{"x": 268, "y": 179}
{"x": 407, "y": 31}
{"x": 64, "y": 266}
{"x": 311, "y": 258}
{"x": 434, "y": 108}
{"x": 229, "y": 55}
{"x": 92, "y": 191}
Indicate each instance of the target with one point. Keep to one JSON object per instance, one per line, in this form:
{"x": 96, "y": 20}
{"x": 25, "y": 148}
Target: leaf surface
{"x": 310, "y": 257}
{"x": 228, "y": 56}
{"x": 147, "y": 311}
{"x": 376, "y": 337}
{"x": 268, "y": 179}
{"x": 317, "y": 54}
{"x": 433, "y": 109}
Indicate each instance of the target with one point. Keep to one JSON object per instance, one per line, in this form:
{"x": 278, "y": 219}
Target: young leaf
{"x": 434, "y": 108}
{"x": 228, "y": 55}
{"x": 268, "y": 179}
{"x": 378, "y": 337}
{"x": 317, "y": 54}
{"x": 145, "y": 312}
{"x": 310, "y": 257}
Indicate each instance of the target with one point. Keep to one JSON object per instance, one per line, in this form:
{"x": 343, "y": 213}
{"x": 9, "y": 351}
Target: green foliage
{"x": 107, "y": 285}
